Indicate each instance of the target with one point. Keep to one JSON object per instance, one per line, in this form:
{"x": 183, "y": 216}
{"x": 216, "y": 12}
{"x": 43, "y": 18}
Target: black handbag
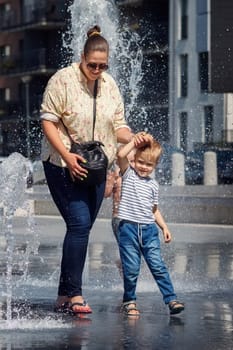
{"x": 92, "y": 152}
{"x": 97, "y": 161}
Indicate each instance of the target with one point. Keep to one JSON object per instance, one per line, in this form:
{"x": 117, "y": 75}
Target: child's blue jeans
{"x": 142, "y": 239}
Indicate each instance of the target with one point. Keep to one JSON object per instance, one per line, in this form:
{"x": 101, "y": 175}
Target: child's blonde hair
{"x": 151, "y": 151}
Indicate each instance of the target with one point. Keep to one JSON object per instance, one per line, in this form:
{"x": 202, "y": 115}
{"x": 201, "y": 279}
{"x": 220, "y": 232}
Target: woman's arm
{"x": 50, "y": 130}
{"x": 124, "y": 135}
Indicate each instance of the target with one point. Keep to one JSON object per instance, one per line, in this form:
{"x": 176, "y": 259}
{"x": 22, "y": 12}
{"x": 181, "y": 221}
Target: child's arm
{"x": 122, "y": 155}
{"x": 162, "y": 224}
{"x": 116, "y": 196}
{"x": 109, "y": 184}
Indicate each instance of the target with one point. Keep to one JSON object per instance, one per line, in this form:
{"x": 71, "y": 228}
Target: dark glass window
{"x": 2, "y": 95}
{"x": 209, "y": 116}
{"x": 184, "y": 75}
{"x": 184, "y": 20}
{"x": 2, "y": 51}
{"x": 183, "y": 130}
{"x": 203, "y": 71}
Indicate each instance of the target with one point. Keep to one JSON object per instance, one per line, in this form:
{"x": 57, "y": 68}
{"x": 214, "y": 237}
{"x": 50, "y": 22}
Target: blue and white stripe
{"x": 138, "y": 197}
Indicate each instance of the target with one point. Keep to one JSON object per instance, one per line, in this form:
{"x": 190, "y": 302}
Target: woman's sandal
{"x": 80, "y": 308}
{"x": 128, "y": 307}
{"x": 175, "y": 307}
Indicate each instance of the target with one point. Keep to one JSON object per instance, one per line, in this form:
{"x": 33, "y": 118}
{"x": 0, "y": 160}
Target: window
{"x": 209, "y": 114}
{"x": 5, "y": 11}
{"x": 5, "y": 59}
{"x": 4, "y": 95}
{"x": 7, "y": 94}
{"x": 183, "y": 75}
{"x": 1, "y": 137}
{"x": 183, "y": 130}
{"x": 183, "y": 20}
{"x": 5, "y": 51}
{"x": 203, "y": 71}
{"x": 4, "y": 8}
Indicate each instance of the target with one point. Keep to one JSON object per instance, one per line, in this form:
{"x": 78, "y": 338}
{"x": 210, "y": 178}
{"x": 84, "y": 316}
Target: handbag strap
{"x": 94, "y": 107}
{"x": 94, "y": 113}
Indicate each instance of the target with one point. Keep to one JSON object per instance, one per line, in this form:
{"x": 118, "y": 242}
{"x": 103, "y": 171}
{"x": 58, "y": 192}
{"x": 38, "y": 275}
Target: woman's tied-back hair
{"x": 151, "y": 151}
{"x": 95, "y": 41}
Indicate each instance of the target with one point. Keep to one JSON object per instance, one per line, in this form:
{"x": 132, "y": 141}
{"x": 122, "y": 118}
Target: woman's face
{"x": 94, "y": 64}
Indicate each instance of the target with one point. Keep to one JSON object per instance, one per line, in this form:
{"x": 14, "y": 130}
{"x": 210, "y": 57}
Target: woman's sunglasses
{"x": 94, "y": 66}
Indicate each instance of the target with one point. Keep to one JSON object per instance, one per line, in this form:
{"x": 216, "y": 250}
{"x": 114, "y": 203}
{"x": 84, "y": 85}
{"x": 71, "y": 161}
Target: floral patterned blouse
{"x": 68, "y": 98}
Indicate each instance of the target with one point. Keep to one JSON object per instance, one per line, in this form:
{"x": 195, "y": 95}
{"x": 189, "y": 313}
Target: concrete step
{"x": 188, "y": 204}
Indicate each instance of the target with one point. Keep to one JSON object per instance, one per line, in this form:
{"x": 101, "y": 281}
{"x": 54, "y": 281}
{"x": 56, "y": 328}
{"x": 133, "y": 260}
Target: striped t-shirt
{"x": 138, "y": 197}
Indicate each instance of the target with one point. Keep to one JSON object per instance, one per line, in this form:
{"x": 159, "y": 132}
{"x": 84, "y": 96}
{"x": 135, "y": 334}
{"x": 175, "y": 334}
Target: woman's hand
{"x": 74, "y": 164}
{"x": 141, "y": 139}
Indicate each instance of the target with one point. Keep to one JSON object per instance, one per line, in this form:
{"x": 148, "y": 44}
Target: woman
{"x": 68, "y": 100}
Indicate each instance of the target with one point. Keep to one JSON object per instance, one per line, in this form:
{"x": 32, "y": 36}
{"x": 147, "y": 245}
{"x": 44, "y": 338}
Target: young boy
{"x": 113, "y": 189}
{"x": 138, "y": 233}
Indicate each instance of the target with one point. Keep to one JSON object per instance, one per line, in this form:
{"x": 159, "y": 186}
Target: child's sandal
{"x": 130, "y": 306}
{"x": 175, "y": 307}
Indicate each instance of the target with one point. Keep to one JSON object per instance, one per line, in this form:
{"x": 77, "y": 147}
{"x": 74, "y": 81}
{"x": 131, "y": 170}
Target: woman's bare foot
{"x": 77, "y": 299}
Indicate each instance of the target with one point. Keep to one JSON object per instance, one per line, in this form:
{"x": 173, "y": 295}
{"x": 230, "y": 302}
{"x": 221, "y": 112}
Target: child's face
{"x": 143, "y": 165}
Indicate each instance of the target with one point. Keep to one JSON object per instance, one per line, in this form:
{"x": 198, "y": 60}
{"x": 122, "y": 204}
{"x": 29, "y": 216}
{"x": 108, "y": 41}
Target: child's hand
{"x": 109, "y": 184}
{"x": 167, "y": 235}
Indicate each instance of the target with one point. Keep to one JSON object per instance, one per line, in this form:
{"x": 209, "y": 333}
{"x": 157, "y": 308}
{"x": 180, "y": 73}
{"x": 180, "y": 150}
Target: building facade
{"x": 196, "y": 115}
{"x": 178, "y": 106}
{"x": 30, "y": 51}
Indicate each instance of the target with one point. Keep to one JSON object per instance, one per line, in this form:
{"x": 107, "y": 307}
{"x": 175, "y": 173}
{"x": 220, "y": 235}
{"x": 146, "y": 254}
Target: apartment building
{"x": 197, "y": 115}
{"x": 30, "y": 52}
{"x": 31, "y": 34}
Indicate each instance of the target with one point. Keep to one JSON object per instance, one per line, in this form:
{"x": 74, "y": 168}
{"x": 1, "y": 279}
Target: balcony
{"x": 129, "y": 2}
{"x": 38, "y": 16}
{"x": 32, "y": 62}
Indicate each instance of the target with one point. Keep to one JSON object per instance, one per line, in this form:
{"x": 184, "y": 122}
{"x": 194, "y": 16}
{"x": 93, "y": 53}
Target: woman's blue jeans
{"x": 79, "y": 206}
{"x": 142, "y": 239}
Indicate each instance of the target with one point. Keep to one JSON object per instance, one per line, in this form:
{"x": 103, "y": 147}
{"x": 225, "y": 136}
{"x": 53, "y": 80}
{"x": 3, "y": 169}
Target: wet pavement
{"x": 200, "y": 261}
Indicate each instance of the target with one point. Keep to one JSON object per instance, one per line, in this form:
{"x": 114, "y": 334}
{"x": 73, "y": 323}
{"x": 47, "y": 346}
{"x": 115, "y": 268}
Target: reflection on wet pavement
{"x": 201, "y": 270}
